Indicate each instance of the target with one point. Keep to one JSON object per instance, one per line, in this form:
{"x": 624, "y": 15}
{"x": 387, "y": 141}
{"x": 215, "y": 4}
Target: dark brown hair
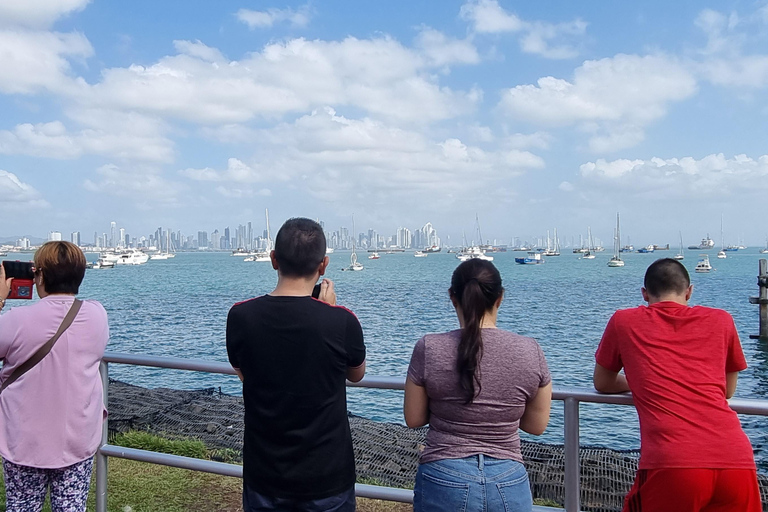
{"x": 475, "y": 286}
{"x": 62, "y": 265}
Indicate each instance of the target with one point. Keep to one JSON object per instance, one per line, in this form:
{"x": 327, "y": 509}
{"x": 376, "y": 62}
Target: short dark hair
{"x": 666, "y": 275}
{"x": 62, "y": 265}
{"x": 299, "y": 247}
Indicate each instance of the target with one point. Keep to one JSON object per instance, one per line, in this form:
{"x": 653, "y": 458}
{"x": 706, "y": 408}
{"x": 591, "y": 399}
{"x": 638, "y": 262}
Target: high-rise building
{"x": 112, "y": 234}
{"x": 121, "y": 241}
{"x": 216, "y": 239}
{"x": 202, "y": 239}
{"x": 225, "y": 243}
{"x": 54, "y": 236}
{"x": 75, "y": 238}
{"x": 23, "y": 243}
{"x": 404, "y": 238}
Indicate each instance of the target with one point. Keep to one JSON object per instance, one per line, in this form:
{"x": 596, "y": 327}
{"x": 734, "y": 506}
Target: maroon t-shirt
{"x": 512, "y": 370}
{"x": 675, "y": 358}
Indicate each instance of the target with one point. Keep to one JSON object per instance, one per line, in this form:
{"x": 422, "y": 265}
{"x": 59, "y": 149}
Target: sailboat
{"x": 262, "y": 256}
{"x": 616, "y": 261}
{"x": 680, "y": 255}
{"x": 721, "y": 253}
{"x": 167, "y": 254}
{"x": 588, "y": 255}
{"x": 552, "y": 249}
{"x": 353, "y": 263}
{"x": 765, "y": 251}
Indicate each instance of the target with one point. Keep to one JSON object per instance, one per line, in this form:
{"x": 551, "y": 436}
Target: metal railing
{"x": 571, "y": 397}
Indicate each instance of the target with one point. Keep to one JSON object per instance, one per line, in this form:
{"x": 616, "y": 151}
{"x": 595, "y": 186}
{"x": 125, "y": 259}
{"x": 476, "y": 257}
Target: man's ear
{"x": 645, "y": 294}
{"x": 324, "y": 265}
{"x": 688, "y": 293}
{"x": 273, "y": 259}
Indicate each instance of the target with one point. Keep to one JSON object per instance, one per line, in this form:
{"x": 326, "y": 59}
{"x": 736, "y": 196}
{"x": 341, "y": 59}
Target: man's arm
{"x": 415, "y": 404}
{"x": 239, "y": 373}
{"x": 356, "y": 374}
{"x": 731, "y": 379}
{"x": 607, "y": 381}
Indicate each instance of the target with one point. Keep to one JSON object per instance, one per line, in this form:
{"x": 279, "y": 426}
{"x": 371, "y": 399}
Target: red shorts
{"x": 694, "y": 490}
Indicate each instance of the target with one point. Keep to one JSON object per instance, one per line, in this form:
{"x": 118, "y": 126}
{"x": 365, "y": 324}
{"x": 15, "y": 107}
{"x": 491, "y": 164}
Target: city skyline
{"x": 534, "y": 116}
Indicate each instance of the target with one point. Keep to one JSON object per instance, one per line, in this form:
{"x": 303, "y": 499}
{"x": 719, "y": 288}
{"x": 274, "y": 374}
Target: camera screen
{"x": 24, "y": 291}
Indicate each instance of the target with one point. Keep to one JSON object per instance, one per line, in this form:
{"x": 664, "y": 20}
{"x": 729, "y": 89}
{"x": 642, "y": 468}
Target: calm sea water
{"x": 178, "y": 307}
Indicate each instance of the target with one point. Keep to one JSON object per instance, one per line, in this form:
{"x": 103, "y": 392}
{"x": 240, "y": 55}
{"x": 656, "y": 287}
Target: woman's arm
{"x": 536, "y": 416}
{"x": 415, "y": 405}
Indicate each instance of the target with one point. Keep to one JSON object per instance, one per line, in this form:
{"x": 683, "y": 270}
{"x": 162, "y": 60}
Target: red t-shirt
{"x": 675, "y": 358}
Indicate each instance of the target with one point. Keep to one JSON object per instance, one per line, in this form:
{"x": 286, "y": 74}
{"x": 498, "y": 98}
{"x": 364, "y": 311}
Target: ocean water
{"x": 178, "y": 307}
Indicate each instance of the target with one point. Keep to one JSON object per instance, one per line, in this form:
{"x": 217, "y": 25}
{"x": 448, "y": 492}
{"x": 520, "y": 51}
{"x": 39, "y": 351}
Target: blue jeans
{"x": 473, "y": 484}
{"x": 255, "y": 502}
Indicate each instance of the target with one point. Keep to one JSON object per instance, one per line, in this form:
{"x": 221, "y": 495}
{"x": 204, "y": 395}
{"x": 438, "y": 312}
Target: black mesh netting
{"x": 385, "y": 453}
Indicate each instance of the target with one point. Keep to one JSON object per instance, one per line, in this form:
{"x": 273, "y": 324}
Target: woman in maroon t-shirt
{"x": 476, "y": 386}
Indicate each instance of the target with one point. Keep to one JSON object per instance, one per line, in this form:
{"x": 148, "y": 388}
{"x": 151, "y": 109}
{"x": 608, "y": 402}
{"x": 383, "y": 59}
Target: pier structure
{"x": 762, "y": 301}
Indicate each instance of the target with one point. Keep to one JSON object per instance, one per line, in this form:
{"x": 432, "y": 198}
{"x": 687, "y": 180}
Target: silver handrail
{"x": 572, "y": 397}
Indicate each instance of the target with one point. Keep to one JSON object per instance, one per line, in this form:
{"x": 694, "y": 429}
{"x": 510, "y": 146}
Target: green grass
{"x": 151, "y": 442}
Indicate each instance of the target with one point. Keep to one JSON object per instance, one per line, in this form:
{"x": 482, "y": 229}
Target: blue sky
{"x": 535, "y": 115}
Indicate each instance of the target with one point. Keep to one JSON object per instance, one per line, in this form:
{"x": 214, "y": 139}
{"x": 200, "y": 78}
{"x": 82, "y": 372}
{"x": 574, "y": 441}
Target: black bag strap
{"x": 43, "y": 351}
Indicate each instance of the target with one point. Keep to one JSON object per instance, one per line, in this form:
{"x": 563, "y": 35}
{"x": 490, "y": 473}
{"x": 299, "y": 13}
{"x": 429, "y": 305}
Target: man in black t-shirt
{"x": 294, "y": 354}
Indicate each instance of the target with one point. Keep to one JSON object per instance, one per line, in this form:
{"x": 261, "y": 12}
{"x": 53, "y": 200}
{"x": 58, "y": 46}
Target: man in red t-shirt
{"x": 681, "y": 364}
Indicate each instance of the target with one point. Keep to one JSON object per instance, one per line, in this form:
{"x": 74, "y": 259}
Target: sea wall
{"x": 385, "y": 453}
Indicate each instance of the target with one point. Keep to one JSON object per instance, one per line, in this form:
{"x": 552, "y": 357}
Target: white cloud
{"x": 566, "y": 186}
{"x": 15, "y": 194}
{"x": 265, "y": 19}
{"x": 37, "y": 13}
{"x": 53, "y": 140}
{"x": 359, "y": 162}
{"x": 34, "y": 61}
{"x": 380, "y": 76}
{"x": 487, "y": 16}
{"x": 538, "y": 140}
{"x": 613, "y": 97}
{"x": 441, "y": 49}
{"x": 144, "y": 185}
{"x": 713, "y": 176}
{"x": 550, "y": 40}
{"x": 242, "y": 192}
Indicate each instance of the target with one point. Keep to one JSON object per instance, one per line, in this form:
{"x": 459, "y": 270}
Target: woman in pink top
{"x": 51, "y": 417}
{"x": 476, "y": 386}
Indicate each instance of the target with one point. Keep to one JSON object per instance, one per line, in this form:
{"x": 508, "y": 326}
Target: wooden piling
{"x": 762, "y": 301}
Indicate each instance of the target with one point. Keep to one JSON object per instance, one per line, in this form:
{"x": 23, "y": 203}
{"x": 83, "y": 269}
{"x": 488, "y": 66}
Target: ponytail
{"x": 475, "y": 286}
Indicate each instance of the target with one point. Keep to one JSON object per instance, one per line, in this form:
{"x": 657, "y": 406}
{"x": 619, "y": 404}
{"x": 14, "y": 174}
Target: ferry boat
{"x": 703, "y": 266}
{"x": 132, "y": 257}
{"x": 533, "y": 258}
{"x": 706, "y": 244}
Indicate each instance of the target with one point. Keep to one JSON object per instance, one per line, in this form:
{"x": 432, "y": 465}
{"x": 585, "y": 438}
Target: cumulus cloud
{"x": 14, "y": 193}
{"x": 613, "y": 97}
{"x": 34, "y": 61}
{"x": 549, "y": 40}
{"x": 265, "y": 19}
{"x": 711, "y": 176}
{"x": 725, "y": 61}
{"x": 37, "y": 13}
{"x": 334, "y": 158}
{"x": 144, "y": 185}
{"x": 442, "y": 50}
{"x": 380, "y": 76}
{"x": 53, "y": 140}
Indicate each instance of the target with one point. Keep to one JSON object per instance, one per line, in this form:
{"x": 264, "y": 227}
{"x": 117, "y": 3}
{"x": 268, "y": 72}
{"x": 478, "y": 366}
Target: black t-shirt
{"x": 294, "y": 353}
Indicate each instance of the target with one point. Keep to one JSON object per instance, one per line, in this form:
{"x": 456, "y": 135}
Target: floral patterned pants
{"x": 26, "y": 487}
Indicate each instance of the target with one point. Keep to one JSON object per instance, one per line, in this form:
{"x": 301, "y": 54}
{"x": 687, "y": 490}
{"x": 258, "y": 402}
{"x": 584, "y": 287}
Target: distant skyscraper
{"x": 75, "y": 238}
{"x": 202, "y": 239}
{"x": 54, "y": 236}
{"x": 216, "y": 239}
{"x": 121, "y": 240}
{"x": 112, "y": 234}
{"x": 225, "y": 239}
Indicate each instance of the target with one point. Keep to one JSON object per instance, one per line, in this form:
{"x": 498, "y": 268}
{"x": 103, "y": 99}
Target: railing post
{"x": 101, "y": 460}
{"x": 572, "y": 469}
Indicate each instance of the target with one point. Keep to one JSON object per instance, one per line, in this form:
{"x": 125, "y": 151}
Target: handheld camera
{"x": 316, "y": 291}
{"x": 23, "y": 278}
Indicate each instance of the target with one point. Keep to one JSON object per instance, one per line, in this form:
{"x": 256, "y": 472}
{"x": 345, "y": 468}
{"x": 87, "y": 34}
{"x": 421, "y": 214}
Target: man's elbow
{"x": 357, "y": 373}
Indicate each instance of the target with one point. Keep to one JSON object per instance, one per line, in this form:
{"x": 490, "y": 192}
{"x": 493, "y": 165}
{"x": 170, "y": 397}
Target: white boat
{"x": 102, "y": 264}
{"x": 552, "y": 249}
{"x": 703, "y": 266}
{"x": 374, "y": 256}
{"x": 329, "y": 250}
{"x": 240, "y": 252}
{"x": 533, "y": 258}
{"x": 354, "y": 265}
{"x": 706, "y": 244}
{"x": 471, "y": 253}
{"x": 765, "y": 251}
{"x": 616, "y": 261}
{"x": 132, "y": 257}
{"x": 680, "y": 255}
{"x": 420, "y": 254}
{"x": 263, "y": 256}
{"x": 587, "y": 255}
{"x": 721, "y": 253}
